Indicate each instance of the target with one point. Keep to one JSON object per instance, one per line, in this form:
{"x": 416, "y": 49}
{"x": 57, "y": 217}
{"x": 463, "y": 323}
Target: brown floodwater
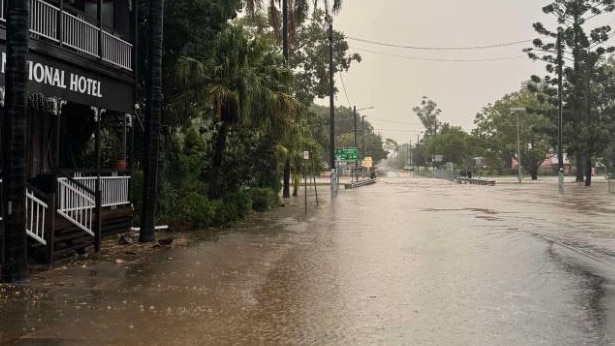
{"x": 407, "y": 261}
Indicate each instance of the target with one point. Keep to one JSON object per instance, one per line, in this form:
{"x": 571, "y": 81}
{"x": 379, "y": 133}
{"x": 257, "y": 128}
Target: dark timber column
{"x": 51, "y": 211}
{"x": 14, "y": 145}
{"x": 100, "y": 28}
{"x": 97, "y": 194}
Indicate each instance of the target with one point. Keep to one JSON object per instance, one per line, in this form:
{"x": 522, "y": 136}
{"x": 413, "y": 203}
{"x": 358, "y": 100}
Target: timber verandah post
{"x": 98, "y": 112}
{"x": 50, "y": 227}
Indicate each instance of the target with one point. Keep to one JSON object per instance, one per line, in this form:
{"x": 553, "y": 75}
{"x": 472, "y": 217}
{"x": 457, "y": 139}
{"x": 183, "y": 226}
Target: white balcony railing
{"x": 77, "y": 33}
{"x": 116, "y": 51}
{"x": 45, "y": 21}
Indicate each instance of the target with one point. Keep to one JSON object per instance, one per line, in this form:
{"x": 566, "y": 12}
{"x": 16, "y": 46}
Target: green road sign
{"x": 346, "y": 154}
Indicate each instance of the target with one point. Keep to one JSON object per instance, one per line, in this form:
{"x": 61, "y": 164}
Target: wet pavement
{"x": 407, "y": 261}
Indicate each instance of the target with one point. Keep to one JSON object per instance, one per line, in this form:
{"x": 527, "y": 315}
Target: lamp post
{"x": 363, "y": 136}
{"x": 356, "y": 162}
{"x": 418, "y": 151}
{"x": 363, "y": 126}
{"x": 517, "y": 110}
{"x": 560, "y": 155}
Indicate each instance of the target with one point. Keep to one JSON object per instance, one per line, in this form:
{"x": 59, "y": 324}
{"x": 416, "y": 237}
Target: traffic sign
{"x": 346, "y": 154}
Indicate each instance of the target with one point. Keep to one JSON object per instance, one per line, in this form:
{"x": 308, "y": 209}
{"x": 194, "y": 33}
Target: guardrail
{"x": 359, "y": 183}
{"x": 472, "y": 181}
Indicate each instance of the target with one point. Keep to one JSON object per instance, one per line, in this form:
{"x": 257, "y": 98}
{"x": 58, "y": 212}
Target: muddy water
{"x": 405, "y": 261}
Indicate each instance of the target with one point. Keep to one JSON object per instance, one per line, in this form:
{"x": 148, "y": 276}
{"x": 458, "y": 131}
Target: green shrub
{"x": 233, "y": 207}
{"x": 239, "y": 204}
{"x": 194, "y": 209}
{"x": 263, "y": 198}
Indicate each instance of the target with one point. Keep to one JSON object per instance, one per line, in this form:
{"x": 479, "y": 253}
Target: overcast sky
{"x": 393, "y": 80}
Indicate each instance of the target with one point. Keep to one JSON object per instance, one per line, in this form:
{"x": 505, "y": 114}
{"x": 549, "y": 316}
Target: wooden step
{"x": 70, "y": 239}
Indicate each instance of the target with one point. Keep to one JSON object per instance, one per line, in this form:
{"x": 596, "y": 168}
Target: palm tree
{"x": 290, "y": 20}
{"x": 244, "y": 82}
{"x": 14, "y": 254}
{"x": 153, "y": 115}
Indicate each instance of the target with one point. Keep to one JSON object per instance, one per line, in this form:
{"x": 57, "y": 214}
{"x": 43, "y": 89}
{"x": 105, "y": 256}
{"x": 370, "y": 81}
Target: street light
{"x": 355, "y": 124}
{"x": 356, "y": 162}
{"x": 517, "y": 110}
{"x": 418, "y": 143}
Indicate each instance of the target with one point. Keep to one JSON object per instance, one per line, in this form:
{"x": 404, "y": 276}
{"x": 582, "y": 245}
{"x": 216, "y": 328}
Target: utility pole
{"x": 560, "y": 154}
{"x": 363, "y": 136}
{"x": 410, "y": 162}
{"x": 518, "y": 151}
{"x": 331, "y": 103}
{"x": 418, "y": 148}
{"x": 516, "y": 110}
{"x": 354, "y": 108}
{"x": 285, "y": 53}
{"x": 332, "y": 113}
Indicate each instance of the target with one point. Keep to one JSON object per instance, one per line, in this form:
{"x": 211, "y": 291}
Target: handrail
{"x": 72, "y": 179}
{"x": 36, "y": 210}
{"x": 76, "y": 204}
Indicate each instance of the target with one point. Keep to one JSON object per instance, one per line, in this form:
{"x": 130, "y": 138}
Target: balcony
{"x": 76, "y": 33}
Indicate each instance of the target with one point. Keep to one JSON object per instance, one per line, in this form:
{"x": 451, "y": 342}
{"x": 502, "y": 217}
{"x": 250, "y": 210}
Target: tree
{"x": 454, "y": 144}
{"x": 496, "y": 131}
{"x": 344, "y": 132}
{"x": 293, "y": 15}
{"x": 152, "y": 121}
{"x": 244, "y": 82}
{"x": 309, "y": 58}
{"x": 572, "y": 17}
{"x": 189, "y": 28}
{"x": 428, "y": 112}
{"x": 14, "y": 139}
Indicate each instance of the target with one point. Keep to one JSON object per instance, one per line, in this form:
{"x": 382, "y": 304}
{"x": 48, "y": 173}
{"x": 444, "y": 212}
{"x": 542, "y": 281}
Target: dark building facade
{"x": 81, "y": 101}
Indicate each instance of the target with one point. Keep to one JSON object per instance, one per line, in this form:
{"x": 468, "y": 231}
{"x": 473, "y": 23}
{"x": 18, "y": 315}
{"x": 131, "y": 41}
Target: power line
{"x": 414, "y": 131}
{"x": 393, "y": 121}
{"x": 345, "y": 93}
{"x": 440, "y": 59}
{"x": 397, "y": 130}
{"x": 378, "y": 43}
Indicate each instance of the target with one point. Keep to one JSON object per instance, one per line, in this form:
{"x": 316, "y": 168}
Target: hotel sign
{"x": 54, "y": 78}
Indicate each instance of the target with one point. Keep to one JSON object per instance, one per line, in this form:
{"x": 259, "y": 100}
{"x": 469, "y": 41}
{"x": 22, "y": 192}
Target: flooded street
{"x": 407, "y": 261}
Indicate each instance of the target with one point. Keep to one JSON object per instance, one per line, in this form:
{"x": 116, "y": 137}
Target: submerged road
{"x": 407, "y": 261}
